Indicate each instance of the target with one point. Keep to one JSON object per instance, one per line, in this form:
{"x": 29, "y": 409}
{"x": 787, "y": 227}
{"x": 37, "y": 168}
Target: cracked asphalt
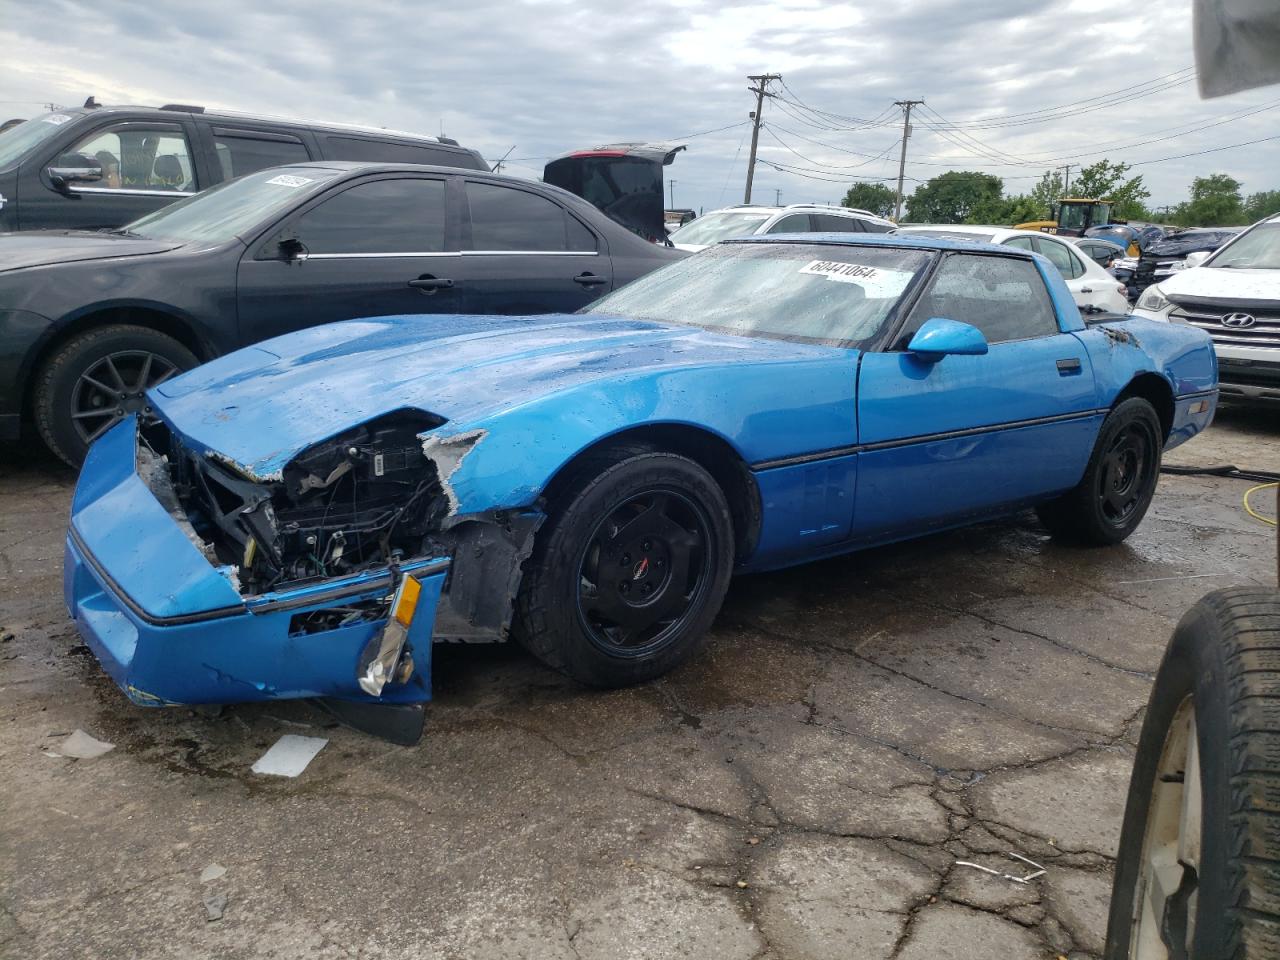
{"x": 801, "y": 790}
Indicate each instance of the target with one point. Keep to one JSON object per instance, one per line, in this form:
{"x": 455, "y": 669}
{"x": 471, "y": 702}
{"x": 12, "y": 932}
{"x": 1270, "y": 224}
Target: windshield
{"x": 1257, "y": 249}
{"x": 1072, "y": 216}
{"x": 17, "y": 142}
{"x": 231, "y": 208}
{"x": 715, "y": 227}
{"x": 810, "y": 293}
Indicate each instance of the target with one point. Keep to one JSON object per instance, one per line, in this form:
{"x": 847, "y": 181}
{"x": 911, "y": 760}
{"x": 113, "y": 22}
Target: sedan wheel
{"x": 1118, "y": 483}
{"x": 1197, "y": 873}
{"x": 1169, "y": 877}
{"x": 629, "y": 569}
{"x": 114, "y": 387}
{"x": 96, "y": 379}
{"x": 643, "y": 573}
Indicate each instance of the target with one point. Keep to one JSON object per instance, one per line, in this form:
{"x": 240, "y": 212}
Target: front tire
{"x": 1198, "y": 869}
{"x": 630, "y": 569}
{"x": 1118, "y": 484}
{"x": 99, "y": 377}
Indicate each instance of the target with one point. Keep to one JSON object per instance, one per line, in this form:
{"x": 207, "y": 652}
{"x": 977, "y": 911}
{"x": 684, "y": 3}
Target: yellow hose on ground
{"x": 1253, "y": 513}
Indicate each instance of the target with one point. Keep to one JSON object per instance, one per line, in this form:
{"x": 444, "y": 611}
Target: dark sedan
{"x": 89, "y": 321}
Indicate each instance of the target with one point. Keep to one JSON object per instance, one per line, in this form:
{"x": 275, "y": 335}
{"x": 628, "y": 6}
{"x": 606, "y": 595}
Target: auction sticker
{"x": 57, "y": 119}
{"x": 877, "y": 282}
{"x": 288, "y": 180}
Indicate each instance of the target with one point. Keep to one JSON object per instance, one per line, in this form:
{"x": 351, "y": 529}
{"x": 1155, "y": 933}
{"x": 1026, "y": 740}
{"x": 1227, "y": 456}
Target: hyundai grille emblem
{"x": 1238, "y": 320}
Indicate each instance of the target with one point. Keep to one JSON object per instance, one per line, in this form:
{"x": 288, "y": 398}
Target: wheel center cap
{"x": 640, "y": 569}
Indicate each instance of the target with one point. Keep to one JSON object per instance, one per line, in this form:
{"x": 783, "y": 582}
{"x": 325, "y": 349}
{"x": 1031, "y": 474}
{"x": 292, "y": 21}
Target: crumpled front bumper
{"x": 170, "y": 628}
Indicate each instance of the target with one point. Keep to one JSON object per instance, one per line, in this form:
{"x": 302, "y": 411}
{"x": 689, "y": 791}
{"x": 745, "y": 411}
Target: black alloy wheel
{"x": 643, "y": 572}
{"x": 115, "y": 387}
{"x": 1127, "y": 466}
{"x": 1119, "y": 481}
{"x": 630, "y": 568}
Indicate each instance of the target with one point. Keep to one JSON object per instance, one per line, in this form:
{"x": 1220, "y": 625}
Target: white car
{"x": 1234, "y": 295}
{"x": 1089, "y": 283}
{"x": 749, "y": 220}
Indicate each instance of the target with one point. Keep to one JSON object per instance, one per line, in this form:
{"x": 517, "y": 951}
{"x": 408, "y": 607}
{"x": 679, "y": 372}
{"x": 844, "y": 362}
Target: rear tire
{"x": 1118, "y": 484}
{"x": 630, "y": 569}
{"x": 1219, "y": 878}
{"x": 97, "y": 378}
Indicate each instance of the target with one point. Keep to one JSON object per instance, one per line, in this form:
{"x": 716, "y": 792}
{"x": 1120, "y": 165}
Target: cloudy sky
{"x": 1011, "y": 86}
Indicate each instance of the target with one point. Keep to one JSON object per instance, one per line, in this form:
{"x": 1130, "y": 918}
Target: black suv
{"x": 89, "y": 321}
{"x": 96, "y": 166}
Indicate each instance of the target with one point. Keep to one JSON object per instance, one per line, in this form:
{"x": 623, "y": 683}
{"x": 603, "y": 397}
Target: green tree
{"x": 1108, "y": 181}
{"x": 1004, "y": 211}
{"x": 950, "y": 197}
{"x": 1045, "y": 194}
{"x": 1215, "y": 202}
{"x": 875, "y": 197}
{"x": 1261, "y": 205}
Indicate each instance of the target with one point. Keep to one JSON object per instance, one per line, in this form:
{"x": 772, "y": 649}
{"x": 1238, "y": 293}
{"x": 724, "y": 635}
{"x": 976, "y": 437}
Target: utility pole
{"x": 1066, "y": 180}
{"x": 671, "y": 186}
{"x": 906, "y": 106}
{"x": 777, "y": 196}
{"x": 761, "y": 91}
{"x": 497, "y": 167}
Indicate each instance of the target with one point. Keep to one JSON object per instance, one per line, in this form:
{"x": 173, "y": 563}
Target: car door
{"x": 144, "y": 166}
{"x": 523, "y": 253}
{"x": 946, "y": 440}
{"x": 1085, "y": 290}
{"x": 376, "y": 247}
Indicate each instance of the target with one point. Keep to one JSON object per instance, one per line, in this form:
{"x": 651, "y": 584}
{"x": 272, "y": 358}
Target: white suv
{"x": 1234, "y": 295}
{"x": 749, "y": 220}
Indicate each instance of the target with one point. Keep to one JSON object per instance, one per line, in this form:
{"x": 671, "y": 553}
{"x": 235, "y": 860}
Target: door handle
{"x": 429, "y": 284}
{"x": 589, "y": 279}
{"x": 1069, "y": 367}
{"x": 1086, "y": 289}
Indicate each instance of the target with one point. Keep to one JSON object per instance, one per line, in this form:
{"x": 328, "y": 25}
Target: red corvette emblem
{"x": 641, "y": 569}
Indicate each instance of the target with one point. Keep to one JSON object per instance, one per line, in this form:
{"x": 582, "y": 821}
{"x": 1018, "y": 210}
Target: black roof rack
{"x": 182, "y": 108}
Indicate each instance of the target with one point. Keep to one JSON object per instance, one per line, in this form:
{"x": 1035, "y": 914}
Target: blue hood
{"x": 261, "y": 406}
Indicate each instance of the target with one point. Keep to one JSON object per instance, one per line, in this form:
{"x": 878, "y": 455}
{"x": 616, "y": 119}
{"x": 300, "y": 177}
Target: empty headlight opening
{"x": 362, "y": 499}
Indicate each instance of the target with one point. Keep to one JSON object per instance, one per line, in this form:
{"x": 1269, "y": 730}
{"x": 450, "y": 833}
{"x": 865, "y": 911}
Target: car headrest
{"x": 168, "y": 168}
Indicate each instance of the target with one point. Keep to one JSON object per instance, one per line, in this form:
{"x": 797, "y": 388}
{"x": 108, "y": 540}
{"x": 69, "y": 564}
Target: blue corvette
{"x": 304, "y": 517}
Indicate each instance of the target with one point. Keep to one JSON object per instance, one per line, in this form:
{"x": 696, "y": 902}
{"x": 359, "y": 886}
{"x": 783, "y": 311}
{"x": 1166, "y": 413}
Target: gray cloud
{"x": 551, "y": 76}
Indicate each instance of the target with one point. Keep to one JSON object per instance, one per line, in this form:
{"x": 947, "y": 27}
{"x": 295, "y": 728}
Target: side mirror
{"x": 1197, "y": 259}
{"x": 74, "y": 168}
{"x": 291, "y": 248}
{"x": 939, "y": 337}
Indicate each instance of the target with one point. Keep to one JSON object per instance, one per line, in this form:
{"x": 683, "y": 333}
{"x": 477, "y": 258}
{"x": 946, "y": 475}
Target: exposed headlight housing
{"x": 1154, "y": 300}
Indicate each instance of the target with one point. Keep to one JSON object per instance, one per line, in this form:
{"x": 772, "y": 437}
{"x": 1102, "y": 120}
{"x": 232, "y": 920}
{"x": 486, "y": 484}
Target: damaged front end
{"x": 328, "y": 579}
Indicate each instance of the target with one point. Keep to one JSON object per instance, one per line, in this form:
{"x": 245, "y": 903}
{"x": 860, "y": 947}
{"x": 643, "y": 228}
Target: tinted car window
{"x": 829, "y": 223}
{"x": 503, "y": 218}
{"x": 795, "y": 223}
{"x": 381, "y": 216}
{"x": 1020, "y": 243}
{"x": 390, "y": 151}
{"x": 134, "y": 158}
{"x": 1003, "y": 297}
{"x": 1062, "y": 258}
{"x": 240, "y": 155}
